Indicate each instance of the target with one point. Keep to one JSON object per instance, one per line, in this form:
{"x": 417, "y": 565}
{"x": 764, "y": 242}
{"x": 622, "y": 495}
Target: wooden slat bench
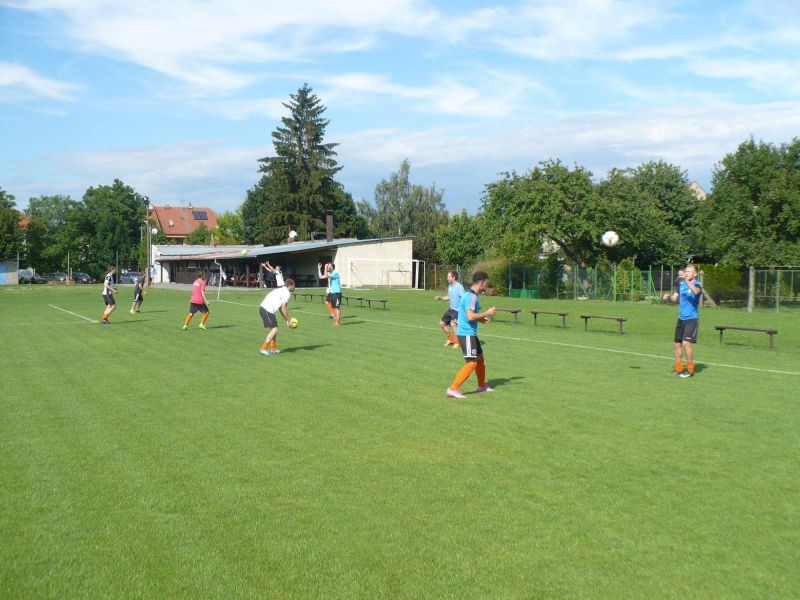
{"x": 563, "y": 316}
{"x": 513, "y": 311}
{"x": 369, "y": 302}
{"x": 308, "y": 295}
{"x": 359, "y": 298}
{"x": 586, "y": 318}
{"x": 770, "y": 332}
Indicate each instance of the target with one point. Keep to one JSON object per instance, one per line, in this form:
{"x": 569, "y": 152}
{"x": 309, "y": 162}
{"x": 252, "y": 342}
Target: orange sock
{"x": 273, "y": 344}
{"x": 453, "y": 339}
{"x": 187, "y": 319}
{"x": 678, "y": 366}
{"x": 480, "y": 371}
{"x": 205, "y": 317}
{"x": 463, "y": 375}
{"x": 264, "y": 346}
{"x": 690, "y": 367}
{"x": 329, "y": 306}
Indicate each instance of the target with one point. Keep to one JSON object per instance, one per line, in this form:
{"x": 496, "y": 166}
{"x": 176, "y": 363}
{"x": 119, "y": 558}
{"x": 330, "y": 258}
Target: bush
{"x": 497, "y": 269}
{"x": 724, "y": 282}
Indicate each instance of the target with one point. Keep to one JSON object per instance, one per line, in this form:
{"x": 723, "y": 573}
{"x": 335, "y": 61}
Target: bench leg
{"x": 586, "y": 324}
{"x": 534, "y": 319}
{"x": 771, "y": 346}
{"x": 620, "y": 327}
{"x": 720, "y": 335}
{"x": 564, "y": 322}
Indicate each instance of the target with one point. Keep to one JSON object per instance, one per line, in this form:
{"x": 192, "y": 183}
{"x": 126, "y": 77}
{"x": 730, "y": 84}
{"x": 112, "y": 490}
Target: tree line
{"x": 751, "y": 217}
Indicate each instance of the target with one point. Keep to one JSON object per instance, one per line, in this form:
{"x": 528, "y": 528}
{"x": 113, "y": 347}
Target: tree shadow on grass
{"x": 136, "y": 322}
{"x": 220, "y": 326}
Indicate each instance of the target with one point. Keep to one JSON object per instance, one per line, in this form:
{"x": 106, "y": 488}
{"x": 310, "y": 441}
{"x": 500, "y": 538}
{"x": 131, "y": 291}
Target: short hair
{"x": 201, "y": 274}
{"x": 479, "y": 276}
{"x": 289, "y": 282}
{"x": 453, "y": 274}
{"x": 333, "y": 266}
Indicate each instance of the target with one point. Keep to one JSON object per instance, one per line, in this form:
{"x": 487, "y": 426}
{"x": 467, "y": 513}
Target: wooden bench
{"x": 770, "y": 332}
{"x": 586, "y": 318}
{"x": 309, "y": 295}
{"x": 563, "y": 316}
{"x": 513, "y": 311}
{"x": 369, "y": 302}
{"x": 359, "y": 298}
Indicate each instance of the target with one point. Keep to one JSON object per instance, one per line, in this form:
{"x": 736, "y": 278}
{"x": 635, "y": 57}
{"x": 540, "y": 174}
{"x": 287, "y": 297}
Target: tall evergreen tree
{"x": 298, "y": 186}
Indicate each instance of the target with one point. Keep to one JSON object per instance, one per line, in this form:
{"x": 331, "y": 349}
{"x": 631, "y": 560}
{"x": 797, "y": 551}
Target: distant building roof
{"x": 698, "y": 191}
{"x": 168, "y": 253}
{"x": 179, "y": 221}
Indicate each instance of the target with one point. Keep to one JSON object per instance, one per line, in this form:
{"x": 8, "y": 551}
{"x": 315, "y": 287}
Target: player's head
{"x": 690, "y": 270}
{"x": 201, "y": 274}
{"x": 289, "y": 283}
{"x": 481, "y": 279}
{"x": 112, "y": 269}
{"x": 330, "y": 267}
{"x": 452, "y": 277}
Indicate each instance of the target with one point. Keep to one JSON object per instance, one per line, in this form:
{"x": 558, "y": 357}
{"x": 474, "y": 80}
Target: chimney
{"x": 328, "y": 226}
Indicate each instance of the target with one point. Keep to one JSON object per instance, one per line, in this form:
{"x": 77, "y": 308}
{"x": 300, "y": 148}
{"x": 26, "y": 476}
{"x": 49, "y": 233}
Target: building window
{"x": 200, "y": 215}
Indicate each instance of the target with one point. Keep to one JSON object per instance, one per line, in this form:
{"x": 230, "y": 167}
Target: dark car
{"x": 57, "y": 276}
{"x": 30, "y": 276}
{"x": 79, "y": 277}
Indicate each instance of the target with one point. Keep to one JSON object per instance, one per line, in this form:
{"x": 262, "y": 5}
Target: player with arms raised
{"x": 688, "y": 295}
{"x": 335, "y": 286}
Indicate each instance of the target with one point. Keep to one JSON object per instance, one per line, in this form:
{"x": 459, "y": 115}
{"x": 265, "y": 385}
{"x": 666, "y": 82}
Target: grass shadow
{"x": 300, "y": 348}
{"x": 220, "y": 326}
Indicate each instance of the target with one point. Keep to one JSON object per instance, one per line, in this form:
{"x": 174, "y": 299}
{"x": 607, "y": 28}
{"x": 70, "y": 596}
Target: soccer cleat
{"x": 185, "y": 327}
{"x": 454, "y": 393}
{"x": 264, "y": 352}
{"x": 202, "y": 326}
{"x": 483, "y": 388}
{"x": 456, "y": 346}
{"x": 276, "y": 351}
{"x": 686, "y": 374}
{"x": 132, "y": 311}
{"x": 447, "y": 344}
{"x": 105, "y": 322}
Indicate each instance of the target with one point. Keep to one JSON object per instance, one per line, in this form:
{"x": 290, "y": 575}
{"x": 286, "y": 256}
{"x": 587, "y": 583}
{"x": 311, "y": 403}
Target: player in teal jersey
{"x": 469, "y": 316}
{"x": 449, "y": 320}
{"x": 335, "y": 286}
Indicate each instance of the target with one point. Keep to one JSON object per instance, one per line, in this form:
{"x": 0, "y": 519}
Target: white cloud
{"x": 494, "y": 93}
{"x": 764, "y": 75}
{"x": 18, "y": 83}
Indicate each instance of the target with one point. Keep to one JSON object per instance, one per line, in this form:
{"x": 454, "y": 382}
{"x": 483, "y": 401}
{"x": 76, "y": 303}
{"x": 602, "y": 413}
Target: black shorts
{"x": 451, "y": 316}
{"x": 109, "y": 299}
{"x": 270, "y": 322}
{"x": 335, "y": 299}
{"x": 686, "y": 331}
{"x": 193, "y": 308}
{"x": 138, "y": 298}
{"x": 471, "y": 346}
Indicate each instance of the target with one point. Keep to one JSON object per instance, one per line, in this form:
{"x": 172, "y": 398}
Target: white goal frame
{"x": 385, "y": 272}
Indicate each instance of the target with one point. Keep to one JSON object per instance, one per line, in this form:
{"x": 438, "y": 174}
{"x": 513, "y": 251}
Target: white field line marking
{"x": 72, "y": 313}
{"x": 563, "y": 344}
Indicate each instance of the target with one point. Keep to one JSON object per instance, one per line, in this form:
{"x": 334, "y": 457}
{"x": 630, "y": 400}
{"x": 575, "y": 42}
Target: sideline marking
{"x": 72, "y": 313}
{"x": 563, "y": 344}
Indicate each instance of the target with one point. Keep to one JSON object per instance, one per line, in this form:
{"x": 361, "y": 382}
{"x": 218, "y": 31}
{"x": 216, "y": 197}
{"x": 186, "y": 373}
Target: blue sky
{"x": 179, "y": 99}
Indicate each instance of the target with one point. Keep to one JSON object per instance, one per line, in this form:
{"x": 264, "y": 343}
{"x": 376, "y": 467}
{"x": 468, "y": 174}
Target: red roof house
{"x": 177, "y": 222}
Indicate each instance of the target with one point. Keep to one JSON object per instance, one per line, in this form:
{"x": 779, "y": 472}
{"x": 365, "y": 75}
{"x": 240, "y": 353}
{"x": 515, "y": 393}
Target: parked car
{"x": 80, "y": 277}
{"x": 57, "y": 276}
{"x": 129, "y": 276}
{"x": 30, "y": 276}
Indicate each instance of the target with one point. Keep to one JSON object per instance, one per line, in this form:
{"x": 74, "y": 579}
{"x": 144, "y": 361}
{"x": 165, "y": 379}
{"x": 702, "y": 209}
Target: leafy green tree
{"x": 10, "y": 232}
{"x": 644, "y": 228}
{"x": 229, "y": 228}
{"x": 669, "y": 186}
{"x": 298, "y": 186}
{"x": 111, "y": 216}
{"x": 402, "y": 208}
{"x": 458, "y": 242}
{"x": 752, "y": 216}
{"x": 54, "y": 237}
{"x": 200, "y": 236}
{"x": 549, "y": 203}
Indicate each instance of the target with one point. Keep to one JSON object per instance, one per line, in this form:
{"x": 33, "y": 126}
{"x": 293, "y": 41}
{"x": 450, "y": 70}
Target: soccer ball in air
{"x": 293, "y": 323}
{"x": 292, "y": 234}
{"x": 244, "y": 251}
{"x": 610, "y": 239}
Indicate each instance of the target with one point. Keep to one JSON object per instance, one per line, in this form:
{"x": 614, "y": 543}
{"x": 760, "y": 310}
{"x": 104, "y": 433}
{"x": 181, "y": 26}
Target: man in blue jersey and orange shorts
{"x": 469, "y": 316}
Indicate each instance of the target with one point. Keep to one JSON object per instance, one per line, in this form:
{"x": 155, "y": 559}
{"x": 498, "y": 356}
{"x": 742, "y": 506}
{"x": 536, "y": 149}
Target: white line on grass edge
{"x": 563, "y": 344}
{"x": 72, "y": 313}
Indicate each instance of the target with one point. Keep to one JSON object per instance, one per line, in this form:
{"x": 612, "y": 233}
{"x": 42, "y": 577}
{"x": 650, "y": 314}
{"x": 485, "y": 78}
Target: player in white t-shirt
{"x": 276, "y": 271}
{"x": 273, "y": 303}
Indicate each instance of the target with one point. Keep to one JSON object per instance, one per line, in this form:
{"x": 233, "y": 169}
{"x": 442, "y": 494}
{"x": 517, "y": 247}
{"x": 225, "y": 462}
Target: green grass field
{"x": 139, "y": 460}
